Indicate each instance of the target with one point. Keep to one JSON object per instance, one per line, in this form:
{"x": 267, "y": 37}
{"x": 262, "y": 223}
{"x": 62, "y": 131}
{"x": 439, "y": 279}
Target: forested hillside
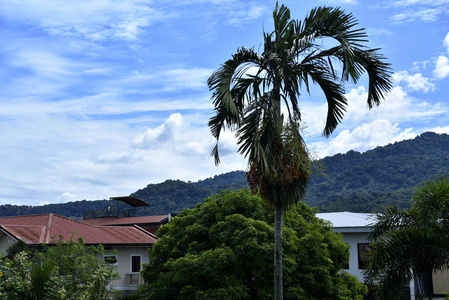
{"x": 365, "y": 182}
{"x": 358, "y": 182}
{"x": 170, "y": 196}
{"x": 175, "y": 195}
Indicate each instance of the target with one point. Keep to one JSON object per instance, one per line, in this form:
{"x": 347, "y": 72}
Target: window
{"x": 110, "y": 259}
{"x": 136, "y": 261}
{"x": 346, "y": 266}
{"x": 362, "y": 251}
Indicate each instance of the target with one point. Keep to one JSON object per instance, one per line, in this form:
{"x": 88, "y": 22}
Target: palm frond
{"x": 333, "y": 92}
{"x": 230, "y": 87}
{"x": 391, "y": 219}
{"x": 379, "y": 74}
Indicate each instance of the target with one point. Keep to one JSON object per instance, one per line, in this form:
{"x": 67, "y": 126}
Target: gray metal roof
{"x": 348, "y": 219}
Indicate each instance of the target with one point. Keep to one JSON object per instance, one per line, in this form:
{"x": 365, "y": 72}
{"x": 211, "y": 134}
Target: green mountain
{"x": 366, "y": 182}
{"x": 175, "y": 195}
{"x": 170, "y": 196}
{"x": 358, "y": 182}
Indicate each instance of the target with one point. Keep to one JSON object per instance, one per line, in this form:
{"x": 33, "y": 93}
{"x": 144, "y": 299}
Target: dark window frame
{"x": 362, "y": 254}
{"x": 135, "y": 266}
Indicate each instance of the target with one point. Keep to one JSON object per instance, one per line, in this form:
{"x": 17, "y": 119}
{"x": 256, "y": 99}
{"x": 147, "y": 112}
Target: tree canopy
{"x": 412, "y": 242}
{"x": 222, "y": 249}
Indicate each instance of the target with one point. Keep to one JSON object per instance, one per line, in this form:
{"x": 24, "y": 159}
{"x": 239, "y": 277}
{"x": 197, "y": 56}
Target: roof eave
{"x": 352, "y": 229}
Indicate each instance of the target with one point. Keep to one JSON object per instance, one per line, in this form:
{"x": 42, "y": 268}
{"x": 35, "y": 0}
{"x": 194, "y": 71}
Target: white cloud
{"x": 422, "y": 10}
{"x": 363, "y": 129}
{"x": 440, "y": 130}
{"x": 344, "y": 1}
{"x": 446, "y": 41}
{"x": 169, "y": 132}
{"x": 420, "y": 2}
{"x": 65, "y": 197}
{"x": 380, "y": 31}
{"x": 441, "y": 67}
{"x": 44, "y": 63}
{"x": 168, "y": 80}
{"x": 88, "y": 159}
{"x": 185, "y": 78}
{"x": 398, "y": 106}
{"x": 429, "y": 15}
{"x": 244, "y": 13}
{"x": 87, "y": 19}
{"x": 177, "y": 135}
{"x": 364, "y": 137}
{"x": 415, "y": 83}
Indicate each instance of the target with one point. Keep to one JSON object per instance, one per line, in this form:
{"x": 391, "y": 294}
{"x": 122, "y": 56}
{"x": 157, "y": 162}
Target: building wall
{"x": 124, "y": 267}
{"x": 5, "y": 242}
{"x": 352, "y": 239}
{"x": 440, "y": 282}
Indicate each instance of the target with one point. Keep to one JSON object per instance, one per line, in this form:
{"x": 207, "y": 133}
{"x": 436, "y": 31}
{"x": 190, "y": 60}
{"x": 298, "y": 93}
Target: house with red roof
{"x": 129, "y": 242}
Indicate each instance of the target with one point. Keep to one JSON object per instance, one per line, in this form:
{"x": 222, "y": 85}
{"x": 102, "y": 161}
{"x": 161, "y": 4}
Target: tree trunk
{"x": 278, "y": 288}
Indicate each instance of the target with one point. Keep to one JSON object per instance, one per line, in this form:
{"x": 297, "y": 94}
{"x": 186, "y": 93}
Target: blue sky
{"x": 101, "y": 98}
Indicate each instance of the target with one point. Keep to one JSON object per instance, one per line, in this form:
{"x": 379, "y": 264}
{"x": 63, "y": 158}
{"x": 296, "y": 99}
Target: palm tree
{"x": 256, "y": 95}
{"x": 410, "y": 243}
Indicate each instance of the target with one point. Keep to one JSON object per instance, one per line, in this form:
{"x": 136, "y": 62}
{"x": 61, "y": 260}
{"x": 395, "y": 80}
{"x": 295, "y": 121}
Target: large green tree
{"x": 409, "y": 243}
{"x": 221, "y": 250}
{"x": 256, "y": 95}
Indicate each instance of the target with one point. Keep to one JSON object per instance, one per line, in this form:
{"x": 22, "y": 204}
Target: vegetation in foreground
{"x": 223, "y": 249}
{"x": 67, "y": 271}
{"x": 410, "y": 243}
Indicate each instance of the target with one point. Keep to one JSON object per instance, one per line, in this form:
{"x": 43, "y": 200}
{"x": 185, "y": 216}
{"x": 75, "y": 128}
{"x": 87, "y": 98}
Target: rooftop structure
{"x": 348, "y": 221}
{"x": 118, "y": 211}
{"x": 51, "y": 228}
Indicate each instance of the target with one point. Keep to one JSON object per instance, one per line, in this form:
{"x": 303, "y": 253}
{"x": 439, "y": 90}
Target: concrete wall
{"x": 440, "y": 282}
{"x": 352, "y": 239}
{"x": 124, "y": 266}
{"x": 5, "y": 242}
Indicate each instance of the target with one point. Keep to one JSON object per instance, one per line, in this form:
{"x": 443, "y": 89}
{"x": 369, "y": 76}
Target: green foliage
{"x": 65, "y": 271}
{"x": 223, "y": 249}
{"x": 367, "y": 182}
{"x": 412, "y": 242}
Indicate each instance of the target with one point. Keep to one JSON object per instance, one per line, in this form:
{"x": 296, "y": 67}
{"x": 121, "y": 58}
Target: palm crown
{"x": 249, "y": 89}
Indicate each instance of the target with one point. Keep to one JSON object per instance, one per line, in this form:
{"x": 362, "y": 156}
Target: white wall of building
{"x": 124, "y": 266}
{"x": 352, "y": 239}
{"x": 6, "y": 241}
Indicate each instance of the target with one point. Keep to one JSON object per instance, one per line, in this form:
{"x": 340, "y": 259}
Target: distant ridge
{"x": 366, "y": 182}
{"x": 356, "y": 182}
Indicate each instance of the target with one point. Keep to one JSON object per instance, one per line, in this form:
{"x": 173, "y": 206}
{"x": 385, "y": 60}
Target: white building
{"x": 130, "y": 244}
{"x": 355, "y": 228}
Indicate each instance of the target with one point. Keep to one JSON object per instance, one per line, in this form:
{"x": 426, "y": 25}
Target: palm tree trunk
{"x": 278, "y": 284}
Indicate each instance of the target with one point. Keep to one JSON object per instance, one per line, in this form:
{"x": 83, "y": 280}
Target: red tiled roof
{"x": 128, "y": 220}
{"x": 50, "y": 228}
